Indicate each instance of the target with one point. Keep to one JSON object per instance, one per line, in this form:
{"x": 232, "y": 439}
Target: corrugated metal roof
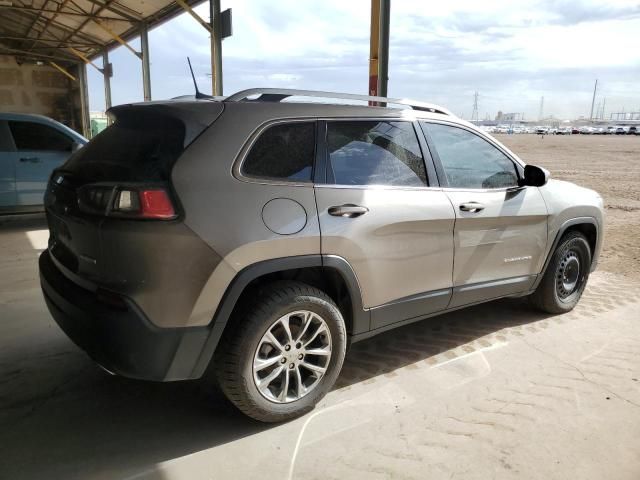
{"x": 47, "y": 30}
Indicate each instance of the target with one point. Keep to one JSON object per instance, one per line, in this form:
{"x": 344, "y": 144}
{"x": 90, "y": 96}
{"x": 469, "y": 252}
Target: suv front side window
{"x": 284, "y": 151}
{"x": 375, "y": 153}
{"x": 469, "y": 161}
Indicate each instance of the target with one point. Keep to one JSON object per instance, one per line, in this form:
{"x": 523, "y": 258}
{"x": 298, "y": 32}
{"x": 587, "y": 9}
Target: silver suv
{"x": 260, "y": 235}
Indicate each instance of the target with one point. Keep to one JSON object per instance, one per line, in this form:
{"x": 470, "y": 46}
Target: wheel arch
{"x": 588, "y": 226}
{"x": 330, "y": 273}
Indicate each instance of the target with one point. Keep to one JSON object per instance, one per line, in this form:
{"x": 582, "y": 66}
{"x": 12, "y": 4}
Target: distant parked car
{"x": 31, "y": 147}
{"x": 575, "y": 130}
{"x": 621, "y": 130}
{"x": 633, "y": 130}
{"x": 610, "y": 130}
{"x": 564, "y": 131}
{"x": 587, "y": 130}
{"x": 542, "y": 130}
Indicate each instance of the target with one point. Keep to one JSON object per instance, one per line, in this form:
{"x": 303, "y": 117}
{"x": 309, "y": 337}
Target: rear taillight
{"x": 135, "y": 202}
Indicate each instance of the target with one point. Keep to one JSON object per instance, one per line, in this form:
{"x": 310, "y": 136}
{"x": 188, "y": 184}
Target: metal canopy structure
{"x": 68, "y": 35}
{"x": 69, "y": 31}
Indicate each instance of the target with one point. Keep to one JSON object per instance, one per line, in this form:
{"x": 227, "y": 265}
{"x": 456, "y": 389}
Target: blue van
{"x": 31, "y": 146}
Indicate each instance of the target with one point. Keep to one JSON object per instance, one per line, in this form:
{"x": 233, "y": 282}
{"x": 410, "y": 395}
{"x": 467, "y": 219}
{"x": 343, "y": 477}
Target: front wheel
{"x": 566, "y": 276}
{"x": 283, "y": 353}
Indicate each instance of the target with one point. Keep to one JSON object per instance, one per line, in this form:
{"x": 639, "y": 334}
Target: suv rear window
{"x": 283, "y": 152}
{"x": 139, "y": 146}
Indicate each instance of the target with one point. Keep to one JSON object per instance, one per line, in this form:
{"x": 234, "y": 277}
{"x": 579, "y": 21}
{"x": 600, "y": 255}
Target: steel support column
{"x": 146, "y": 69}
{"x": 383, "y": 53}
{"x": 84, "y": 99}
{"x": 374, "y": 37}
{"x": 216, "y": 47}
{"x": 106, "y": 75}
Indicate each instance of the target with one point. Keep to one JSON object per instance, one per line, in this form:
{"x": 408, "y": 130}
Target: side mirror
{"x": 534, "y": 176}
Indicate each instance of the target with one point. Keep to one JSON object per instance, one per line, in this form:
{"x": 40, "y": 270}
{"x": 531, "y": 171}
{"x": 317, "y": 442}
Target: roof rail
{"x": 279, "y": 94}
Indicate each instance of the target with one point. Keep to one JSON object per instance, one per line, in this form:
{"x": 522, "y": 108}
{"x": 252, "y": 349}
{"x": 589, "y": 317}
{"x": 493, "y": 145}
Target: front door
{"x": 501, "y": 229}
{"x": 40, "y": 149}
{"x": 378, "y": 212}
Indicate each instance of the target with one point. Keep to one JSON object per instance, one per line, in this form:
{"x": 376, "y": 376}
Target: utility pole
{"x": 593, "y": 100}
{"x": 604, "y": 102}
{"x": 541, "y": 108}
{"x": 474, "y": 114}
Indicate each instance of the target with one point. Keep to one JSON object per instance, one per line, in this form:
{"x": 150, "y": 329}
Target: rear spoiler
{"x": 196, "y": 116}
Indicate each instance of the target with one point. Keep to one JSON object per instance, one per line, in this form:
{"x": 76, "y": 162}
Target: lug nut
{"x": 300, "y": 357}
{"x": 283, "y": 360}
{"x": 287, "y": 347}
{"x": 298, "y": 345}
{"x": 291, "y": 365}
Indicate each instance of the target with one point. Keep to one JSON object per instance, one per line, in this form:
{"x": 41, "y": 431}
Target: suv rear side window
{"x": 32, "y": 136}
{"x": 375, "y": 153}
{"x": 283, "y": 152}
{"x": 470, "y": 161}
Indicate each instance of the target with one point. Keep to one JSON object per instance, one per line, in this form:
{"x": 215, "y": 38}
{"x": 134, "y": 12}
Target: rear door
{"x": 381, "y": 212}
{"x": 7, "y": 167}
{"x": 40, "y": 149}
{"x": 501, "y": 229}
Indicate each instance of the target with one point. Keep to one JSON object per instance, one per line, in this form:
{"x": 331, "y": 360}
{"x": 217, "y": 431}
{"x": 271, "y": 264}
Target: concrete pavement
{"x": 495, "y": 391}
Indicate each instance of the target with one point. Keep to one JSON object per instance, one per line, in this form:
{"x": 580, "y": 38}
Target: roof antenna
{"x": 195, "y": 85}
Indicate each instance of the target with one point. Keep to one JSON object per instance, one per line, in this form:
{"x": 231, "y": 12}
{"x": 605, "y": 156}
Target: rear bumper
{"x": 121, "y": 338}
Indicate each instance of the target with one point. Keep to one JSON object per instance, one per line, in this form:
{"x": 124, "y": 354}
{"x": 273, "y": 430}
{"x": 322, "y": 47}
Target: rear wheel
{"x": 283, "y": 353}
{"x": 566, "y": 276}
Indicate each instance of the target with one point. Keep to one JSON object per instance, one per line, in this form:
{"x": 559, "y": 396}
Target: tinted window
{"x": 36, "y": 136}
{"x": 283, "y": 151}
{"x": 139, "y": 146}
{"x": 470, "y": 161}
{"x": 375, "y": 153}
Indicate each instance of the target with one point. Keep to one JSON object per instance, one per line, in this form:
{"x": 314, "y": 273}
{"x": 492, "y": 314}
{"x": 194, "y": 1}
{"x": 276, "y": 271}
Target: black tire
{"x": 234, "y": 356}
{"x": 552, "y": 296}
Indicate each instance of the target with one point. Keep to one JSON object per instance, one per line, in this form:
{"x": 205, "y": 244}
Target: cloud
{"x": 512, "y": 53}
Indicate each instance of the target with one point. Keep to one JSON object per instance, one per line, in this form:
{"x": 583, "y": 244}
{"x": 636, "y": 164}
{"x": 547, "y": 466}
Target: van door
{"x": 7, "y": 167}
{"x": 40, "y": 149}
{"x": 381, "y": 212}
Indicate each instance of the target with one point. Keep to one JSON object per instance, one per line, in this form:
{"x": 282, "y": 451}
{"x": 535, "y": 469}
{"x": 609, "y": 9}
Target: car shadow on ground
{"x": 63, "y": 417}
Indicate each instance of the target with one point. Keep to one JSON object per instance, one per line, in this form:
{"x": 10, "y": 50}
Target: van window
{"x": 283, "y": 152}
{"x": 375, "y": 153}
{"x": 33, "y": 137}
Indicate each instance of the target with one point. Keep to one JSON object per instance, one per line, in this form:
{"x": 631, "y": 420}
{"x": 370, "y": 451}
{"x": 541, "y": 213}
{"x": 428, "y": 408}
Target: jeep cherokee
{"x": 260, "y": 235}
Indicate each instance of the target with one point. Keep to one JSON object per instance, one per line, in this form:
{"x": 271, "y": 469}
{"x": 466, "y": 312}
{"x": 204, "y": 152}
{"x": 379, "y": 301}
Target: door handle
{"x": 472, "y": 207}
{"x": 30, "y": 159}
{"x": 348, "y": 210}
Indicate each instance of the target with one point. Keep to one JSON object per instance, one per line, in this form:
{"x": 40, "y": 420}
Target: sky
{"x": 511, "y": 52}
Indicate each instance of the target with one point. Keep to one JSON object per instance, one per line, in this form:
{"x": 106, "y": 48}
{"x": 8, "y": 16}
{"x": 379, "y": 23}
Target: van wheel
{"x": 283, "y": 353}
{"x": 566, "y": 276}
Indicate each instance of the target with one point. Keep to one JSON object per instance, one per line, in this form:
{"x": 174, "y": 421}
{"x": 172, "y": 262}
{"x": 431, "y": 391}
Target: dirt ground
{"x": 607, "y": 164}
